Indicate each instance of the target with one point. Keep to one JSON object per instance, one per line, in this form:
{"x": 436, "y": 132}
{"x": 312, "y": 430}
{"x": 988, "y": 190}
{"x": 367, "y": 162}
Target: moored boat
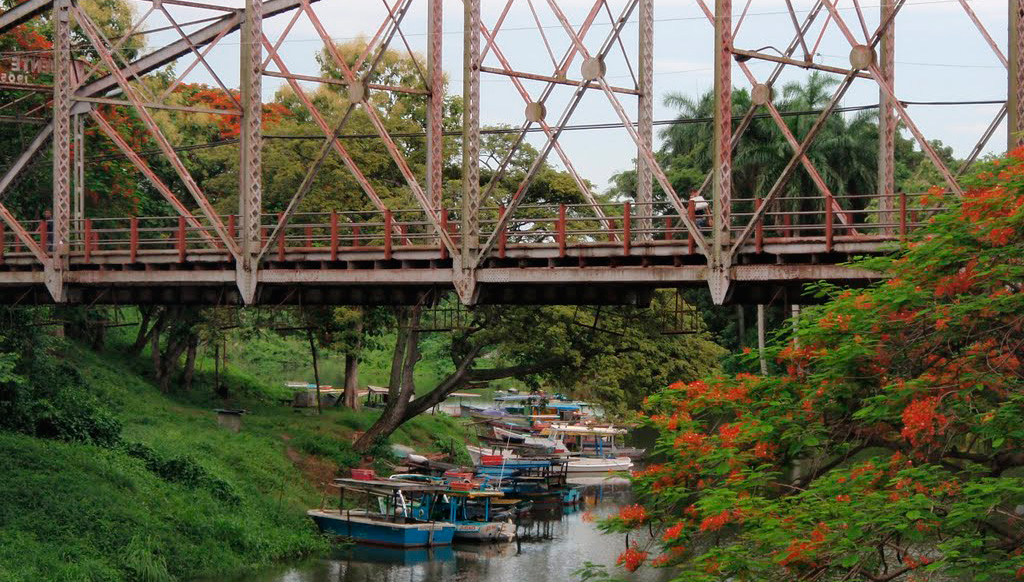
{"x": 401, "y": 518}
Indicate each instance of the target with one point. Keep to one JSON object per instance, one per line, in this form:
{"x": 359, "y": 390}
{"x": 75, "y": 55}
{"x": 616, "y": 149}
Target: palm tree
{"x": 845, "y": 151}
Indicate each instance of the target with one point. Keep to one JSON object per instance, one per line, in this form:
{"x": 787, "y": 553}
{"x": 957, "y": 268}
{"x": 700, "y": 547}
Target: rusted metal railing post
{"x": 503, "y": 235}
{"x": 334, "y": 235}
{"x": 691, "y": 242}
{"x": 903, "y": 215}
{"x": 88, "y": 240}
{"x": 181, "y": 239}
{"x": 387, "y": 234}
{"x": 281, "y": 242}
{"x": 759, "y": 228}
{"x": 444, "y": 227}
{"x": 133, "y": 239}
{"x": 626, "y": 227}
{"x": 561, "y": 230}
{"x": 232, "y": 229}
{"x": 829, "y": 219}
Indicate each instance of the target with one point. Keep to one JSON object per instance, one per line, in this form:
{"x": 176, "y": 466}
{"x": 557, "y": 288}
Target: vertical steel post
{"x": 78, "y": 202}
{"x": 1015, "y": 100}
{"x": 62, "y": 97}
{"x": 886, "y": 120}
{"x": 435, "y": 103}
{"x": 718, "y": 275}
{"x": 471, "y": 131}
{"x": 645, "y": 119}
{"x": 465, "y": 264}
{"x": 250, "y": 199}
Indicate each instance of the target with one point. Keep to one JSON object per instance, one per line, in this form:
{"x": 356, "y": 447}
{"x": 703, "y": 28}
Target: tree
{"x": 553, "y": 346}
{"x": 887, "y": 444}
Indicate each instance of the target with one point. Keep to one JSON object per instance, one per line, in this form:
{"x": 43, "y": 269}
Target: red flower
{"x": 632, "y": 558}
{"x": 715, "y": 522}
{"x": 672, "y": 532}
{"x": 633, "y": 515}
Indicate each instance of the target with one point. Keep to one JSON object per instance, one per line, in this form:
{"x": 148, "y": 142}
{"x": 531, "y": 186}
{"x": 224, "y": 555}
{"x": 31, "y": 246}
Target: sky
{"x": 940, "y": 57}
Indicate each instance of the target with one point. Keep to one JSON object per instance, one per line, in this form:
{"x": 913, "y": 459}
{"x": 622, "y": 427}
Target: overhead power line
{"x": 513, "y": 130}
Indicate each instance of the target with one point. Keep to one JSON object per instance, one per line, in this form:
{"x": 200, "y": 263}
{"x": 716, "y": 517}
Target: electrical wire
{"x": 515, "y": 130}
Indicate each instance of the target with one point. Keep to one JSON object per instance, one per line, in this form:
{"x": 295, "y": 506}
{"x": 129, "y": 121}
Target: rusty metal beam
{"x": 250, "y": 187}
{"x": 1015, "y": 101}
{"x": 91, "y": 31}
{"x": 21, "y": 13}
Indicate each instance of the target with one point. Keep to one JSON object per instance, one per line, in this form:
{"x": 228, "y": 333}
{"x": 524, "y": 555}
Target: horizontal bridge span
{"x": 162, "y": 260}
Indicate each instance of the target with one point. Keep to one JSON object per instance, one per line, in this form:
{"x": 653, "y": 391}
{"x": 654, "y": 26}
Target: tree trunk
{"x": 401, "y": 388}
{"x": 145, "y": 330}
{"x": 316, "y": 369}
{"x": 351, "y": 399}
{"x": 190, "y": 363}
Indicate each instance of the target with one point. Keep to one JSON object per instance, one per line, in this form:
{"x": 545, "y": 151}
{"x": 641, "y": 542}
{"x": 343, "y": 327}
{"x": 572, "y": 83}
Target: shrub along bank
{"x": 105, "y": 478}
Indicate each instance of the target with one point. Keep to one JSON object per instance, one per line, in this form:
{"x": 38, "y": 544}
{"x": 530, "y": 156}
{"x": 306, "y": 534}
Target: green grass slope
{"x": 180, "y": 497}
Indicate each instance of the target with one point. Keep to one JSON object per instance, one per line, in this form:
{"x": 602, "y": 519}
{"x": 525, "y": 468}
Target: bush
{"x": 182, "y": 469}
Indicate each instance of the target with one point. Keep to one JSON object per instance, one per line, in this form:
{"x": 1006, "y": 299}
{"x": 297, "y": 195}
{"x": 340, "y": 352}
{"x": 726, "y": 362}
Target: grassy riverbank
{"x": 175, "y": 496}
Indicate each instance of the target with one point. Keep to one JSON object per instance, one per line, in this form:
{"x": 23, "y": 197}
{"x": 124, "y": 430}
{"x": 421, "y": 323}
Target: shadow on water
{"x": 553, "y": 545}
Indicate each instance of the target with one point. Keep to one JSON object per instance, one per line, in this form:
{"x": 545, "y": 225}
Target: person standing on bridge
{"x": 48, "y": 233}
{"x": 700, "y": 209}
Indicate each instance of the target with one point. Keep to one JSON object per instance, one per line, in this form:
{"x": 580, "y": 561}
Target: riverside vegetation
{"x": 105, "y": 478}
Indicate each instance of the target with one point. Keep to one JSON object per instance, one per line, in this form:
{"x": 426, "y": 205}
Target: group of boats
{"x": 529, "y": 447}
{"x": 443, "y": 503}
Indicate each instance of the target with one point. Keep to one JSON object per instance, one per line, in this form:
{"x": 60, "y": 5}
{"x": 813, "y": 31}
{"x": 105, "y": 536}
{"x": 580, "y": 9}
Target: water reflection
{"x": 552, "y": 546}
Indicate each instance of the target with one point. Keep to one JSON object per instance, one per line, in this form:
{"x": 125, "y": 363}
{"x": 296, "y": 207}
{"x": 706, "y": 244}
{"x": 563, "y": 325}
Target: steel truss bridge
{"x": 593, "y": 253}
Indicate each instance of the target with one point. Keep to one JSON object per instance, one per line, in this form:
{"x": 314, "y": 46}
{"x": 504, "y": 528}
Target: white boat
{"x": 557, "y": 446}
{"x": 574, "y": 465}
{"x": 491, "y": 531}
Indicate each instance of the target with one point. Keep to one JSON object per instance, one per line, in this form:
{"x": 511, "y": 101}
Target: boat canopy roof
{"x": 474, "y": 494}
{"x": 585, "y": 430}
{"x": 386, "y": 487}
{"x": 520, "y": 398}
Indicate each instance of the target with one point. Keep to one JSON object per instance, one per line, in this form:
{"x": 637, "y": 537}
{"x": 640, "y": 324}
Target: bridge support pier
{"x": 250, "y": 188}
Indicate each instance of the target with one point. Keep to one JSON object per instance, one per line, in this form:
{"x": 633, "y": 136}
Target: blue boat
{"x": 401, "y": 519}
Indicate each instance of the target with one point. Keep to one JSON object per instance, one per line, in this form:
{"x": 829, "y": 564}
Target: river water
{"x": 552, "y": 547}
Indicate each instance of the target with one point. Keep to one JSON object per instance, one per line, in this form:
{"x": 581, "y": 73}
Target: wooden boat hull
{"x": 366, "y": 530}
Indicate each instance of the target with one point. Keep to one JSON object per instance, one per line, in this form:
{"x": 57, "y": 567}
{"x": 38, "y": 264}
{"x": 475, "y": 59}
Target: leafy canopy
{"x": 888, "y": 444}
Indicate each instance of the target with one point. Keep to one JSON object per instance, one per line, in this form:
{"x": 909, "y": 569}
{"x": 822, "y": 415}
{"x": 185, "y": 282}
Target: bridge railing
{"x": 559, "y": 226}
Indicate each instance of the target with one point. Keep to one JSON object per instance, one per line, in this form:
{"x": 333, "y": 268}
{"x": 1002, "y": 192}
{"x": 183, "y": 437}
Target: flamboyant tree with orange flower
{"x": 889, "y": 445}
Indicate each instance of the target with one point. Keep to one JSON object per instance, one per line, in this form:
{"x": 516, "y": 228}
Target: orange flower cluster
{"x": 921, "y": 422}
{"x": 632, "y": 558}
{"x": 672, "y": 532}
{"x": 798, "y": 551}
{"x": 633, "y": 515}
{"x": 715, "y": 522}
